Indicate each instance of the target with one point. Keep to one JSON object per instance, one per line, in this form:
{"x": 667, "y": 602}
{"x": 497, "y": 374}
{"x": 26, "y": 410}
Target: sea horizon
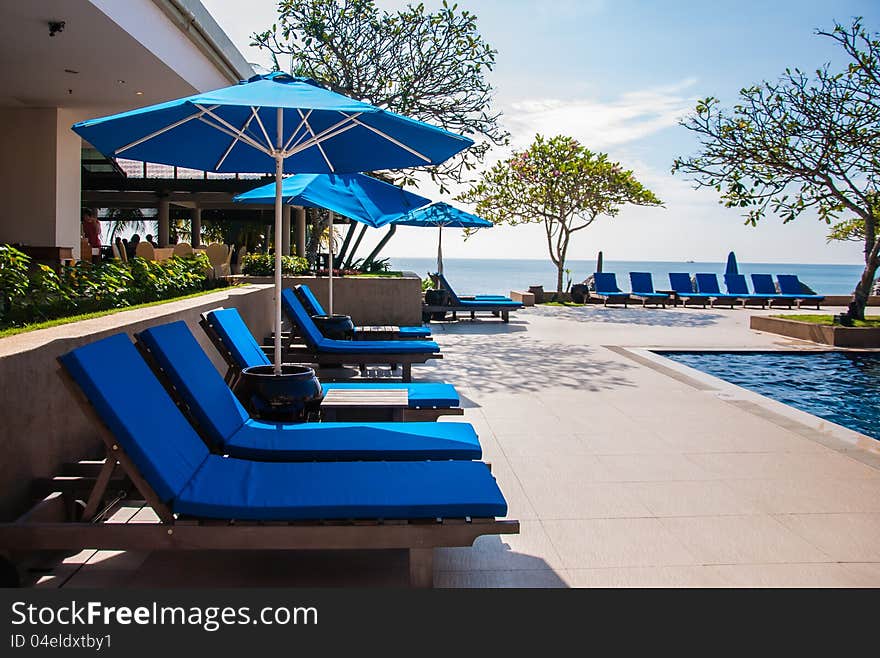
{"x": 501, "y": 275}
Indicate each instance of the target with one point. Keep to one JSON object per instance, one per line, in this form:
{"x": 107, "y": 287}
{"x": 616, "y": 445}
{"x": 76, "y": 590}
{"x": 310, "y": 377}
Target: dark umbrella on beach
{"x": 599, "y": 262}
{"x": 732, "y": 267}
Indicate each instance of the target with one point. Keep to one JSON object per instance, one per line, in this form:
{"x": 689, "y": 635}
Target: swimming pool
{"x": 843, "y": 387}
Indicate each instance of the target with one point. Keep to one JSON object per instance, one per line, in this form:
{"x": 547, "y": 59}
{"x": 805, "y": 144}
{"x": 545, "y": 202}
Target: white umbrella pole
{"x": 279, "y": 173}
{"x": 330, "y": 262}
{"x": 440, "y": 249}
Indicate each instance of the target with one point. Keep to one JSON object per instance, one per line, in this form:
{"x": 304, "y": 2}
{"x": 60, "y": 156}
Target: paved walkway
{"x": 620, "y": 474}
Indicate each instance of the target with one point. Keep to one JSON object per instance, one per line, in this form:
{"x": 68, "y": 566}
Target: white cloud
{"x": 597, "y": 123}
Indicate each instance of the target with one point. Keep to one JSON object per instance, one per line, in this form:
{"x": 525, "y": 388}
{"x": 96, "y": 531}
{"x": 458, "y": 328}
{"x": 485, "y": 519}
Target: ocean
{"x": 471, "y": 276}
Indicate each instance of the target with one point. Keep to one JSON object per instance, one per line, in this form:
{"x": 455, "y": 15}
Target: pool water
{"x": 843, "y": 387}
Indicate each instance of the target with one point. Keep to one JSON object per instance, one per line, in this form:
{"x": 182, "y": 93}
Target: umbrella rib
{"x": 328, "y": 133}
{"x": 302, "y": 122}
{"x": 262, "y": 127}
{"x": 161, "y": 131}
{"x": 235, "y": 141}
{"x": 244, "y": 139}
{"x": 247, "y": 139}
{"x": 390, "y": 139}
{"x": 318, "y": 144}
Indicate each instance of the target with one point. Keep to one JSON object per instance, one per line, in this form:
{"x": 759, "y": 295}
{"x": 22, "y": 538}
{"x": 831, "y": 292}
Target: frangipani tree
{"x": 808, "y": 142}
{"x": 560, "y": 184}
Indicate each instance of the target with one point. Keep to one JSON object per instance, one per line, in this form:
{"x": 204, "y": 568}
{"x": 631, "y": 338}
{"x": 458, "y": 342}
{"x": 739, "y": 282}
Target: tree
{"x": 560, "y": 184}
{"x": 428, "y": 66}
{"x": 805, "y": 142}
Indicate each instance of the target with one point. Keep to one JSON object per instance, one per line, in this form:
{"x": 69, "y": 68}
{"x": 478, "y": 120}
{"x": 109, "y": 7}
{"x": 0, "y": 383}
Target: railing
{"x": 138, "y": 169}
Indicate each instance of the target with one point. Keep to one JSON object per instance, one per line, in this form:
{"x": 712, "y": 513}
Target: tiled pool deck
{"x": 622, "y": 473}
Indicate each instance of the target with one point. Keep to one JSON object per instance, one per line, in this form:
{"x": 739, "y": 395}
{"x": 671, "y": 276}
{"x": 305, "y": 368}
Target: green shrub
{"x": 37, "y": 294}
{"x": 264, "y": 265}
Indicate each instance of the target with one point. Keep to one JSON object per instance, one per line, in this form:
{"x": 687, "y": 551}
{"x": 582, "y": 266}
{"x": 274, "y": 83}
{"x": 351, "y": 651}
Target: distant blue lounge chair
{"x": 764, "y": 285}
{"x": 235, "y": 342}
{"x": 642, "y": 284}
{"x": 684, "y": 289}
{"x": 171, "y": 467}
{"x": 707, "y": 283}
{"x": 313, "y": 306}
{"x": 226, "y": 425}
{"x": 736, "y": 285}
{"x": 606, "y": 289}
{"x": 789, "y": 284}
{"x": 498, "y": 306}
{"x": 327, "y": 351}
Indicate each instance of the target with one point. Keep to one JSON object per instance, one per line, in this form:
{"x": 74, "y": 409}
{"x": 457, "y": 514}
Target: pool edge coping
{"x": 843, "y": 440}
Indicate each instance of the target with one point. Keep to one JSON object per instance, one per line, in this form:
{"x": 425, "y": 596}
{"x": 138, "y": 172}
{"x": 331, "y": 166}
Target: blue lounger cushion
{"x": 606, "y": 285}
{"x": 479, "y": 298}
{"x": 736, "y": 285}
{"x": 246, "y": 352}
{"x": 789, "y": 284}
{"x": 318, "y": 309}
{"x": 168, "y": 453}
{"x": 317, "y": 342}
{"x": 707, "y": 283}
{"x": 228, "y": 425}
{"x": 763, "y": 284}
{"x": 494, "y": 303}
{"x": 642, "y": 284}
{"x": 681, "y": 284}
{"x": 232, "y": 488}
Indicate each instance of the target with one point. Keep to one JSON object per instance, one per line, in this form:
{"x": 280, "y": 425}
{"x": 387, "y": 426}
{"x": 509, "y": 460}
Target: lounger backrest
{"x": 681, "y": 282}
{"x": 707, "y": 283}
{"x": 605, "y": 282}
{"x": 789, "y": 284}
{"x": 297, "y": 314}
{"x": 763, "y": 284}
{"x": 641, "y": 282}
{"x": 129, "y": 399}
{"x": 736, "y": 284}
{"x": 445, "y": 285}
{"x": 237, "y": 339}
{"x": 308, "y": 299}
{"x": 213, "y": 405}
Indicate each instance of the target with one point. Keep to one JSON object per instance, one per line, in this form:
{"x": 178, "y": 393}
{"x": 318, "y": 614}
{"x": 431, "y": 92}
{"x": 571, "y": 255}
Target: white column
{"x": 300, "y": 231}
{"x": 285, "y": 231}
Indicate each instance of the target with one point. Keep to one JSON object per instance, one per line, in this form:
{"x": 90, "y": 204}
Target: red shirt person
{"x": 91, "y": 228}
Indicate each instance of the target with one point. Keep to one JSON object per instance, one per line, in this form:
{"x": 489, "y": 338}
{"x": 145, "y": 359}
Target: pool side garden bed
{"x": 814, "y": 328}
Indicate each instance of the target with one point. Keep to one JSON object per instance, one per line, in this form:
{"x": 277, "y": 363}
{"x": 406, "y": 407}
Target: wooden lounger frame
{"x": 472, "y": 309}
{"x": 88, "y": 530}
{"x": 304, "y": 354}
{"x": 651, "y": 299}
{"x": 614, "y": 298}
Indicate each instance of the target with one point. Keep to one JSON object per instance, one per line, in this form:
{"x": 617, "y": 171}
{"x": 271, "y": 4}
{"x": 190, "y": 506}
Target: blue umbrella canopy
{"x": 732, "y": 267}
{"x": 442, "y": 214}
{"x": 271, "y": 123}
{"x": 243, "y": 128}
{"x": 356, "y": 196}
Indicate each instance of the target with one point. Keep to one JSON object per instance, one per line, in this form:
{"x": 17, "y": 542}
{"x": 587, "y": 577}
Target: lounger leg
{"x": 473, "y": 316}
{"x": 97, "y": 494}
{"x": 505, "y": 316}
{"x": 421, "y": 567}
{"x": 407, "y": 372}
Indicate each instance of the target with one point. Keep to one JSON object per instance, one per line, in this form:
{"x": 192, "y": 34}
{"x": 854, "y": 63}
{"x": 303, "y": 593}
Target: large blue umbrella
{"x": 359, "y": 197}
{"x": 273, "y": 123}
{"x": 442, "y": 214}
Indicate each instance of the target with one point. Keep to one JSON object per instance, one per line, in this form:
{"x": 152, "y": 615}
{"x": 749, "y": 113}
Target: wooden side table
{"x": 341, "y": 402}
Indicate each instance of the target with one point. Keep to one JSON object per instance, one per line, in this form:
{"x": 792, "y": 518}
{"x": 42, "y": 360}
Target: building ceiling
{"x": 91, "y": 63}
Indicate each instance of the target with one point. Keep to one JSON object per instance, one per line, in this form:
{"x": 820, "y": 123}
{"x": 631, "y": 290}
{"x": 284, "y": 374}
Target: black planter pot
{"x": 436, "y": 297}
{"x": 337, "y": 327}
{"x": 579, "y": 293}
{"x": 291, "y": 396}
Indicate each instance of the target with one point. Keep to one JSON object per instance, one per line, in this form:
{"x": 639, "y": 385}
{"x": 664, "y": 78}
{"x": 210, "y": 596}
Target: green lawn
{"x": 869, "y": 321}
{"x": 12, "y": 331}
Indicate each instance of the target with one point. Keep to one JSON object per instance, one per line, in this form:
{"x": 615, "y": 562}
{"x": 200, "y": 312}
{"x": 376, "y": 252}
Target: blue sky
{"x": 617, "y": 75}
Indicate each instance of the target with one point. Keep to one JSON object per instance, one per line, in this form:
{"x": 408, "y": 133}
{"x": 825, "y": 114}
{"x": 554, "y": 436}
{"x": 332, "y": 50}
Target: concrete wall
{"x": 42, "y": 426}
{"x": 368, "y": 300}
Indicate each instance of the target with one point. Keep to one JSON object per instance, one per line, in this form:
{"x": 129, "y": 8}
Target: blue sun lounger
{"x": 235, "y": 342}
{"x": 736, "y": 285}
{"x": 707, "y": 284}
{"x": 226, "y": 425}
{"x": 642, "y": 284}
{"x": 313, "y": 306}
{"x": 205, "y": 501}
{"x": 764, "y": 285}
{"x": 327, "y": 351}
{"x": 680, "y": 282}
{"x": 607, "y": 289}
{"x": 497, "y": 305}
{"x": 790, "y": 285}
